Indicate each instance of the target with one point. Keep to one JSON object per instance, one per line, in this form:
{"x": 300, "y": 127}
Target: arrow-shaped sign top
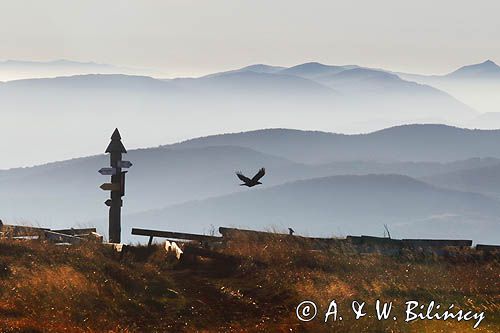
{"x": 116, "y": 146}
{"x": 124, "y": 164}
{"x": 107, "y": 171}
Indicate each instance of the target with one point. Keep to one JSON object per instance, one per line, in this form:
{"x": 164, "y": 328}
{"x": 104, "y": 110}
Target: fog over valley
{"x": 80, "y": 109}
{"x": 346, "y": 148}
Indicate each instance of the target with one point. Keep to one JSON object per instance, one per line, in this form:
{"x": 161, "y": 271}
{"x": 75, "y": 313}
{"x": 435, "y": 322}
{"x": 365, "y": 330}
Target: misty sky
{"x": 196, "y": 37}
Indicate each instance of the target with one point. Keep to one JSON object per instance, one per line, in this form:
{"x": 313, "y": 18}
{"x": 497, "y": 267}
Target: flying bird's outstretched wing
{"x": 259, "y": 175}
{"x": 242, "y": 177}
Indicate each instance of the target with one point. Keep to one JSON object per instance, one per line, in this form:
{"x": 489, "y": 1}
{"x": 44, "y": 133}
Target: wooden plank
{"x": 370, "y": 240}
{"x": 262, "y": 235}
{"x": 437, "y": 242}
{"x": 229, "y": 232}
{"x": 93, "y": 236}
{"x": 174, "y": 235}
{"x": 26, "y": 237}
{"x": 374, "y": 241}
{"x": 58, "y": 237}
{"x": 356, "y": 240}
{"x": 380, "y": 241}
{"x": 487, "y": 248}
{"x": 75, "y": 231}
{"x": 22, "y": 227}
{"x": 10, "y": 230}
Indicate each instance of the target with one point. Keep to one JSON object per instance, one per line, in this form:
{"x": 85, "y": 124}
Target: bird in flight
{"x": 251, "y": 182}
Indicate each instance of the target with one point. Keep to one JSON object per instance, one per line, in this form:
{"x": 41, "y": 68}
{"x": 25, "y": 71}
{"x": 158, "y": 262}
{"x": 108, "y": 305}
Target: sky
{"x": 189, "y": 38}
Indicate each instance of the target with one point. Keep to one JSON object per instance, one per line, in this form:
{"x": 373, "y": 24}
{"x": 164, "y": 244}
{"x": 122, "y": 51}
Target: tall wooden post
{"x": 117, "y": 185}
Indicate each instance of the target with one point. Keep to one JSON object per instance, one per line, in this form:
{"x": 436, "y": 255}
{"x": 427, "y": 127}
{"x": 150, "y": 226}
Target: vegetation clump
{"x": 92, "y": 288}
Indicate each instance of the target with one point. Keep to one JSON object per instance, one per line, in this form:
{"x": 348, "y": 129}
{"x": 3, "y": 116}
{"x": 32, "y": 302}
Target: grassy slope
{"x": 90, "y": 288}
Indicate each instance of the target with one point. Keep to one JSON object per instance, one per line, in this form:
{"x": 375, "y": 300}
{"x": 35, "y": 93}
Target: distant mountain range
{"x": 258, "y": 68}
{"x": 402, "y": 143}
{"x": 348, "y": 99}
{"x": 483, "y": 71}
{"x": 487, "y": 70}
{"x": 161, "y": 176}
{"x": 194, "y": 171}
{"x": 476, "y": 85}
{"x": 423, "y": 180}
{"x": 311, "y": 70}
{"x": 18, "y": 69}
{"x": 315, "y": 70}
{"x": 484, "y": 179}
{"x": 254, "y": 84}
{"x": 339, "y": 206}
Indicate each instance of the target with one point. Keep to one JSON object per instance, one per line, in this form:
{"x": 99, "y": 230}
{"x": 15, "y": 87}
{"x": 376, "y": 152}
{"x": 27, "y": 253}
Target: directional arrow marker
{"x": 107, "y": 171}
{"x": 124, "y": 164}
{"x": 110, "y": 187}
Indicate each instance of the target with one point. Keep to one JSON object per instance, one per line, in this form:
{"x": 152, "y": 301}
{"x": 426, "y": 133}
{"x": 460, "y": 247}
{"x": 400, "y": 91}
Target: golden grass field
{"x": 91, "y": 288}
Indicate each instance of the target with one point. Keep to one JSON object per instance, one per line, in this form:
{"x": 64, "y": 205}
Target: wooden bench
{"x": 173, "y": 235}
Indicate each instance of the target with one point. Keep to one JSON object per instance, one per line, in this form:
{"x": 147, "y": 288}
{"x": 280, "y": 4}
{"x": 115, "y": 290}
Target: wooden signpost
{"x": 117, "y": 185}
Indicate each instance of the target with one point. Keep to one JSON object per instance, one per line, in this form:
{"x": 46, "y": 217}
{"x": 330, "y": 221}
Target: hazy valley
{"x": 79, "y": 110}
{"x": 405, "y": 174}
{"x": 422, "y": 180}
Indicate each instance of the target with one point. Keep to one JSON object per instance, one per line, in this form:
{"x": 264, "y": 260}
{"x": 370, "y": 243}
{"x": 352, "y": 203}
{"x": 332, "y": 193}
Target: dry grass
{"x": 468, "y": 279}
{"x": 90, "y": 288}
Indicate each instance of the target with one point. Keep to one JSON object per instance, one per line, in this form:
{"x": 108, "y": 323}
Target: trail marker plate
{"x": 110, "y": 187}
{"x": 107, "y": 171}
{"x": 124, "y": 164}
